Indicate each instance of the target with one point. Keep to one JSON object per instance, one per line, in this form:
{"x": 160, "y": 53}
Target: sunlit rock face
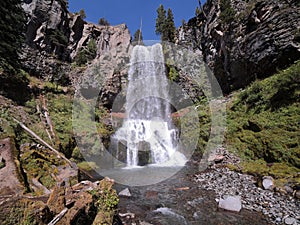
{"x": 55, "y": 36}
{"x": 244, "y": 40}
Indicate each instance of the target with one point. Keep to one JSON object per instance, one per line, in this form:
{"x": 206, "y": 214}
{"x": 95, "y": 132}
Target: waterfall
{"x": 147, "y": 132}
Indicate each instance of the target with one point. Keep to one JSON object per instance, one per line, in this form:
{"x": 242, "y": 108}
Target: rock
{"x": 219, "y": 158}
{"x": 273, "y": 205}
{"x": 231, "y": 203}
{"x": 253, "y": 41}
{"x": 268, "y": 183}
{"x": 290, "y": 221}
{"x": 288, "y": 189}
{"x": 128, "y": 215}
{"x": 144, "y": 153}
{"x": 151, "y": 195}
{"x": 125, "y": 193}
{"x": 55, "y": 36}
{"x": 10, "y": 179}
{"x": 145, "y": 223}
{"x": 297, "y": 194}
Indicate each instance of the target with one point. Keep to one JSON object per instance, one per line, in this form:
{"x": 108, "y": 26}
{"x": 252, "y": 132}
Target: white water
{"x": 148, "y": 125}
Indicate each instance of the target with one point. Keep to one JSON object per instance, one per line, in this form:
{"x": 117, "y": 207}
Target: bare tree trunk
{"x": 59, "y": 155}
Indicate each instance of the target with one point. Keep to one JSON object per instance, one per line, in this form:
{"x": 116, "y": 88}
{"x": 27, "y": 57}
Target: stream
{"x": 179, "y": 200}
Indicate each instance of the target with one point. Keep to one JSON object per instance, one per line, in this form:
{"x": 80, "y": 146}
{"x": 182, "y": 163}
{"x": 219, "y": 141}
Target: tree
{"x": 12, "y": 26}
{"x": 198, "y": 11}
{"x": 160, "y": 20}
{"x": 87, "y": 53}
{"x": 103, "y": 22}
{"x": 138, "y": 37}
{"x": 165, "y": 25}
{"x": 92, "y": 49}
{"x": 82, "y": 14}
{"x": 169, "y": 28}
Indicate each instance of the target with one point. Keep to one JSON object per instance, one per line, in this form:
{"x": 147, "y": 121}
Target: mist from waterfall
{"x": 148, "y": 131}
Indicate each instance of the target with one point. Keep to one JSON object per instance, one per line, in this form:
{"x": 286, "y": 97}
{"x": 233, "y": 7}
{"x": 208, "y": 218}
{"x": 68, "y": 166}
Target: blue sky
{"x": 131, "y": 12}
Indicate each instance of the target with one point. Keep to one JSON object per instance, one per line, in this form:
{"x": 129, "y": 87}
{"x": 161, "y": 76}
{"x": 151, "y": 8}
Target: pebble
{"x": 290, "y": 221}
{"x": 277, "y": 207}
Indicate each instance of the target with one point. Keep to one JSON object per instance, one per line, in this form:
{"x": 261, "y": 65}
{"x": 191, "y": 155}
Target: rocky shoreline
{"x": 279, "y": 208}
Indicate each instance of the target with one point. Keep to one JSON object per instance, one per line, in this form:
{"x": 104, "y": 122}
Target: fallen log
{"x": 59, "y": 155}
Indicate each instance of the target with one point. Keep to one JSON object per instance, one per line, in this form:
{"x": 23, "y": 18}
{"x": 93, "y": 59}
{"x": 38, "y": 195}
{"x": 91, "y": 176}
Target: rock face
{"x": 55, "y": 36}
{"x": 245, "y": 40}
{"x": 9, "y": 173}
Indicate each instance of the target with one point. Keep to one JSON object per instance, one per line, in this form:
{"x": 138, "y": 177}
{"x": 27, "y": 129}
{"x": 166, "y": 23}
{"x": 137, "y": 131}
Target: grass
{"x": 263, "y": 125}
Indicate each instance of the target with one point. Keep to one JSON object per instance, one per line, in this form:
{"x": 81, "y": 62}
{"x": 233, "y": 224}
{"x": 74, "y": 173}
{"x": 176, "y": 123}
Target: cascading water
{"x": 147, "y": 131}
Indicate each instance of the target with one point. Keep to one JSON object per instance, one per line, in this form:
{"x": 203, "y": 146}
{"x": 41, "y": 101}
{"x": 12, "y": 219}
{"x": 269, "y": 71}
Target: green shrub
{"x": 227, "y": 12}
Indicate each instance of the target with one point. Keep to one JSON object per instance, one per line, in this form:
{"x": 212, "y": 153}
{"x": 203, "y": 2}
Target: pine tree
{"x": 170, "y": 29}
{"x": 165, "y": 25}
{"x": 103, "y": 22}
{"x": 160, "y": 20}
{"x": 138, "y": 37}
{"x": 12, "y": 29}
{"x": 12, "y": 26}
{"x": 82, "y": 14}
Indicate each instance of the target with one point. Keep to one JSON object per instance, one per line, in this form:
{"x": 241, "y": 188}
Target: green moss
{"x": 263, "y": 124}
{"x": 281, "y": 172}
{"x": 87, "y": 166}
{"x": 39, "y": 165}
{"x": 106, "y": 202}
{"x": 2, "y": 165}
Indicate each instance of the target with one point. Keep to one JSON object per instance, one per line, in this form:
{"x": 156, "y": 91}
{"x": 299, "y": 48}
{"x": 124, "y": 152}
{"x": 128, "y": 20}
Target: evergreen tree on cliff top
{"x": 12, "y": 27}
{"x": 160, "y": 20}
{"x": 138, "y": 37}
{"x": 165, "y": 25}
{"x": 170, "y": 28}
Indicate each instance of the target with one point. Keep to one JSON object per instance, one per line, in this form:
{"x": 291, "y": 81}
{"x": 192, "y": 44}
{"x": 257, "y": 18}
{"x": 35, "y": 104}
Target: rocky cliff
{"x": 55, "y": 37}
{"x": 244, "y": 40}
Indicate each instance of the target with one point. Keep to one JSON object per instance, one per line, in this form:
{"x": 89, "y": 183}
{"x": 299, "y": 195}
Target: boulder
{"x": 231, "y": 203}
{"x": 290, "y": 221}
{"x": 268, "y": 183}
{"x": 125, "y": 193}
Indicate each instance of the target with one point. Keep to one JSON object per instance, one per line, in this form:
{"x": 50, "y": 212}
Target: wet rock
{"x": 125, "y": 193}
{"x": 127, "y": 215}
{"x": 145, "y": 223}
{"x": 144, "y": 153}
{"x": 231, "y": 203}
{"x": 268, "y": 183}
{"x": 151, "y": 194}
